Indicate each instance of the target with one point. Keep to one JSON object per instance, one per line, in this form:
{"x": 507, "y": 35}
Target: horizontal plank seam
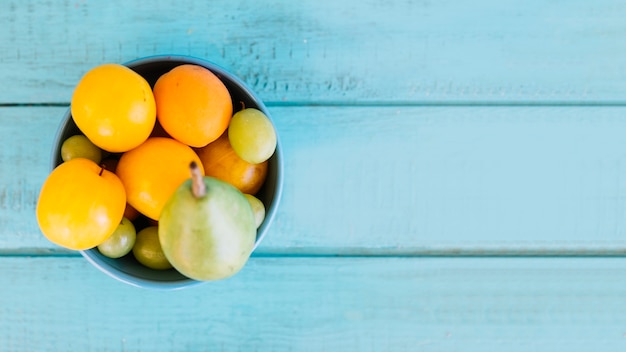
{"x": 392, "y": 104}
{"x": 369, "y": 254}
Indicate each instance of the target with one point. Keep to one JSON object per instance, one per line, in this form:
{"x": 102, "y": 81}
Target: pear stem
{"x": 198, "y": 188}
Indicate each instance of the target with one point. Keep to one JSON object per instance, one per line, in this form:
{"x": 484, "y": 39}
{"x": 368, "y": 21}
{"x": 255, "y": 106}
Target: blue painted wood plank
{"x": 402, "y": 180}
{"x": 329, "y": 304}
{"x": 325, "y": 52}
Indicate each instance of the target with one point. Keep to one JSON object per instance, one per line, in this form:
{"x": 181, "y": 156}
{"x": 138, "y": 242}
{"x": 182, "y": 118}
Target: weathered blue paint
{"x": 415, "y": 135}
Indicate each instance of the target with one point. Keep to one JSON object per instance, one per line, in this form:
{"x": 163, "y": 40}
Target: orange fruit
{"x": 114, "y": 107}
{"x": 80, "y": 204}
{"x": 152, "y": 172}
{"x": 220, "y": 161}
{"x": 193, "y": 105}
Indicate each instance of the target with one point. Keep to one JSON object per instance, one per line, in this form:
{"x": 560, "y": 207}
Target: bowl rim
{"x": 270, "y": 213}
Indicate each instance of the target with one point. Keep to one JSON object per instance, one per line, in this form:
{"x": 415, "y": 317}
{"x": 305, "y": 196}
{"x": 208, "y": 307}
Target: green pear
{"x": 207, "y": 228}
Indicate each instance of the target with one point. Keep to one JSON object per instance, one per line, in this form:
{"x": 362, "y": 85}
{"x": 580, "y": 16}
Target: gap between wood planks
{"x": 555, "y": 103}
{"x": 375, "y": 253}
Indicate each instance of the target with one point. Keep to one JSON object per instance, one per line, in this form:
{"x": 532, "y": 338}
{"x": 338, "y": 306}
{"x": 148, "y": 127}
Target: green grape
{"x": 257, "y": 208}
{"x": 79, "y": 146}
{"x": 148, "y": 251}
{"x": 252, "y": 135}
{"x": 121, "y": 242}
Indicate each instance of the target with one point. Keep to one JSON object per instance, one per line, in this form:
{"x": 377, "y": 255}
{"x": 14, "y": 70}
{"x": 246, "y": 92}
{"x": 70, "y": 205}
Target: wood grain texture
{"x": 402, "y": 180}
{"x": 328, "y": 52}
{"x": 419, "y": 137}
{"x": 309, "y": 304}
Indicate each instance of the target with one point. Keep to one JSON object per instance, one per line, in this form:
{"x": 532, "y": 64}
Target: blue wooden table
{"x": 455, "y": 176}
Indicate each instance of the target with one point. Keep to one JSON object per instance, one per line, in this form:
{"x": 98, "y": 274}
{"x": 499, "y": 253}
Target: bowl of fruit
{"x": 166, "y": 172}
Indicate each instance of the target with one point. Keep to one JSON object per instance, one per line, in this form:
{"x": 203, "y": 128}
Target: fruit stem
{"x": 198, "y": 188}
{"x": 101, "y": 171}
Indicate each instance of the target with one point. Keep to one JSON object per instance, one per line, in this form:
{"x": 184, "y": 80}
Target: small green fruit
{"x": 147, "y": 249}
{"x": 257, "y": 208}
{"x": 207, "y": 228}
{"x": 252, "y": 135}
{"x": 79, "y": 146}
{"x": 121, "y": 242}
